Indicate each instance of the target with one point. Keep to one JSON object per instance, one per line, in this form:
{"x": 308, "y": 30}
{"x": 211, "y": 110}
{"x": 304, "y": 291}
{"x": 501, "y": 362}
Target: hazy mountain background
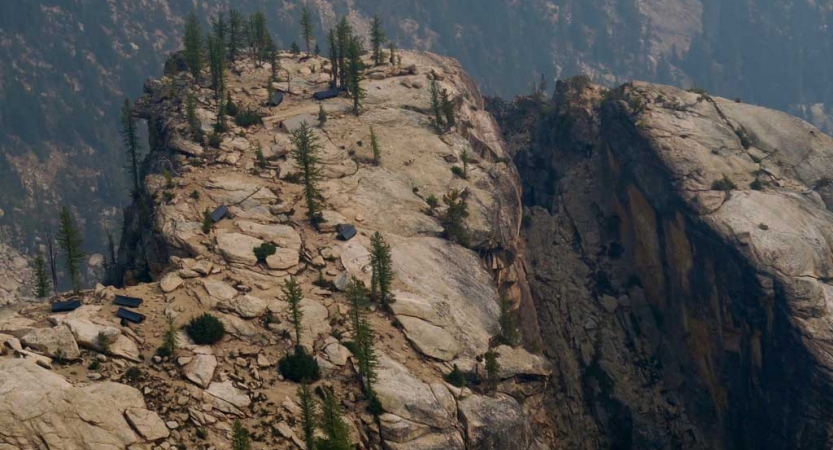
{"x": 68, "y": 64}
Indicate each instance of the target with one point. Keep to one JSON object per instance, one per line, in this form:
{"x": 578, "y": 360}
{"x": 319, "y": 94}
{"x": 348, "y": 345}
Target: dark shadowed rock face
{"x": 680, "y": 311}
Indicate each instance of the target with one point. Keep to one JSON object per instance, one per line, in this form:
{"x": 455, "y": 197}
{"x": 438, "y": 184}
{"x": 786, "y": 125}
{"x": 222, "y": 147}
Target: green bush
{"x": 756, "y": 185}
{"x": 456, "y": 377}
{"x": 375, "y": 406}
{"x": 264, "y": 251}
{"x": 95, "y": 365}
{"x": 248, "y": 118}
{"x": 299, "y": 366}
{"x": 133, "y": 373}
{"x": 724, "y": 184}
{"x": 205, "y": 329}
{"x": 215, "y": 139}
{"x": 195, "y": 194}
{"x": 457, "y": 170}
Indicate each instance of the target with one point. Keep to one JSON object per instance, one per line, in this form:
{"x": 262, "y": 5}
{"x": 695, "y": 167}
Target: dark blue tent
{"x": 219, "y": 214}
{"x": 69, "y": 305}
{"x": 324, "y": 95}
{"x": 346, "y": 231}
{"x": 130, "y": 316}
{"x": 130, "y": 302}
{"x": 276, "y": 100}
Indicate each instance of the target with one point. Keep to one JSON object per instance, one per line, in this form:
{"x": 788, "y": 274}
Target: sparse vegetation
{"x": 207, "y": 222}
{"x": 299, "y": 366}
{"x": 168, "y": 347}
{"x": 756, "y": 184}
{"x": 133, "y": 373}
{"x": 453, "y": 220}
{"x": 436, "y": 107}
{"x": 40, "y": 277}
{"x": 433, "y": 203}
{"x": 240, "y": 437}
{"x": 264, "y": 251}
{"x": 380, "y": 262}
{"x": 456, "y": 377}
{"x": 723, "y": 184}
{"x": 248, "y": 118}
{"x": 195, "y": 194}
{"x": 492, "y": 367}
{"x": 69, "y": 241}
{"x": 509, "y": 334}
{"x": 205, "y": 329}
{"x": 374, "y": 145}
{"x": 305, "y": 153}
{"x": 322, "y": 115}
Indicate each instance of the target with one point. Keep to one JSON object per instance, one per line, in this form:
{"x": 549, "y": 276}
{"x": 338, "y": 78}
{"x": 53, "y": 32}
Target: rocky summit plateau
{"x": 664, "y": 256}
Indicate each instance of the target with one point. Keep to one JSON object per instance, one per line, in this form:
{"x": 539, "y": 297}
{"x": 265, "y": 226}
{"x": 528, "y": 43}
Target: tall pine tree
{"x": 334, "y": 58}
{"x": 363, "y": 335}
{"x": 193, "y": 45}
{"x": 374, "y": 145}
{"x": 305, "y": 153}
{"x": 40, "y": 278}
{"x": 380, "y": 262}
{"x": 333, "y": 425}
{"x": 307, "y": 414}
{"x": 236, "y": 33}
{"x": 377, "y": 39}
{"x": 130, "y": 138}
{"x": 306, "y": 26}
{"x": 69, "y": 241}
{"x": 355, "y": 67}
{"x": 294, "y": 295}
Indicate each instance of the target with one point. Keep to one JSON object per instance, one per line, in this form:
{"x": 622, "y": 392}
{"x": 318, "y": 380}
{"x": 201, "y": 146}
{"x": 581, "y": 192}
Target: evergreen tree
{"x": 374, "y": 145}
{"x": 334, "y": 58}
{"x": 236, "y": 33}
{"x": 344, "y": 35}
{"x": 69, "y": 241}
{"x": 377, "y": 39}
{"x": 447, "y": 108}
{"x": 508, "y": 324}
{"x": 216, "y": 63}
{"x": 322, "y": 115}
{"x": 193, "y": 45}
{"x": 306, "y": 26}
{"x": 392, "y": 53}
{"x": 380, "y": 262}
{"x": 464, "y": 158}
{"x": 191, "y": 114}
{"x": 240, "y": 437}
{"x": 363, "y": 336}
{"x": 258, "y": 36}
{"x": 275, "y": 64}
{"x": 433, "y": 203}
{"x": 317, "y": 50}
{"x": 52, "y": 257}
{"x": 333, "y": 425}
{"x": 307, "y": 414}
{"x": 453, "y": 221}
{"x": 220, "y": 124}
{"x": 305, "y": 153}
{"x": 492, "y": 367}
{"x": 41, "y": 278}
{"x": 294, "y": 49}
{"x": 436, "y": 107}
{"x": 220, "y": 28}
{"x": 294, "y": 295}
{"x": 130, "y": 138}
{"x": 355, "y": 67}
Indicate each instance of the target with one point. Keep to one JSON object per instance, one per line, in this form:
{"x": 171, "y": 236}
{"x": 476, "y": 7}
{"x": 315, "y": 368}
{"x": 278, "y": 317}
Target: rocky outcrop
{"x": 39, "y": 409}
{"x": 679, "y": 252}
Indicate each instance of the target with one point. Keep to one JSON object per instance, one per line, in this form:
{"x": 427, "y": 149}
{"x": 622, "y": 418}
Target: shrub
{"x": 231, "y": 107}
{"x": 133, "y": 373}
{"x": 457, "y": 170}
{"x": 214, "y": 139}
{"x": 206, "y": 221}
{"x": 724, "y": 184}
{"x": 374, "y": 406}
{"x": 756, "y": 185}
{"x": 195, "y": 194}
{"x": 95, "y": 365}
{"x": 168, "y": 346}
{"x": 205, "y": 329}
{"x": 202, "y": 433}
{"x": 167, "y": 196}
{"x": 264, "y": 251}
{"x": 456, "y": 377}
{"x": 433, "y": 204}
{"x": 299, "y": 366}
{"x": 248, "y": 118}
{"x": 103, "y": 342}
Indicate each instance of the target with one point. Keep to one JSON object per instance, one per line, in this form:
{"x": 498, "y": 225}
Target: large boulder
{"x": 228, "y": 398}
{"x": 494, "y": 422}
{"x": 40, "y": 409}
{"x": 404, "y": 395}
{"x": 93, "y": 335}
{"x": 238, "y": 248}
{"x": 200, "y": 370}
{"x": 516, "y": 361}
{"x": 430, "y": 339}
{"x": 149, "y": 425}
{"x": 57, "y": 342}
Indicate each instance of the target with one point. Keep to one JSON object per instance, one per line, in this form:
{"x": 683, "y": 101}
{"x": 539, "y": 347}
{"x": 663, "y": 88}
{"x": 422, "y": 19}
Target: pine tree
{"x": 307, "y": 414}
{"x": 69, "y": 240}
{"x": 294, "y": 49}
{"x": 306, "y": 26}
{"x": 436, "y": 107}
{"x": 220, "y": 124}
{"x": 447, "y": 108}
{"x": 377, "y": 39}
{"x": 374, "y": 145}
{"x": 392, "y": 58}
{"x": 236, "y": 33}
{"x": 355, "y": 67}
{"x": 492, "y": 367}
{"x": 508, "y": 324}
{"x": 380, "y": 262}
{"x": 240, "y": 437}
{"x": 334, "y": 58}
{"x": 305, "y": 153}
{"x": 130, "y": 138}
{"x": 464, "y": 158}
{"x": 275, "y": 64}
{"x": 220, "y": 28}
{"x": 344, "y": 35}
{"x": 191, "y": 114}
{"x": 363, "y": 336}
{"x": 52, "y": 257}
{"x": 322, "y": 115}
{"x": 258, "y": 36}
{"x": 216, "y": 63}
{"x": 41, "y": 278}
{"x": 333, "y": 425}
{"x": 193, "y": 45}
{"x": 317, "y": 50}
{"x": 453, "y": 221}
{"x": 294, "y": 295}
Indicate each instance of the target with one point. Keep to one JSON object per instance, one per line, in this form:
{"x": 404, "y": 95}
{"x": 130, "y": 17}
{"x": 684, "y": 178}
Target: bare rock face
{"x": 54, "y": 342}
{"x": 39, "y": 409}
{"x": 704, "y": 226}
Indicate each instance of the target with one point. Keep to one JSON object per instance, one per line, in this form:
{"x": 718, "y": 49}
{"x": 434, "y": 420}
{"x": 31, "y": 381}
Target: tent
{"x": 130, "y": 302}
{"x": 130, "y": 316}
{"x": 69, "y": 305}
{"x": 346, "y": 231}
{"x": 324, "y": 95}
{"x": 219, "y": 213}
{"x": 276, "y": 100}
